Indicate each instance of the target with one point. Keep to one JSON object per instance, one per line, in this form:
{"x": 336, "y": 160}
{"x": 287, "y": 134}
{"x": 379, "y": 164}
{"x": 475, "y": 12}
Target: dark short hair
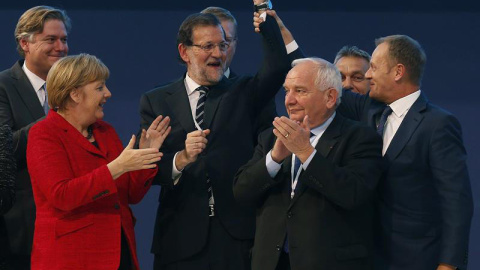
{"x": 352, "y": 51}
{"x": 32, "y": 21}
{"x": 185, "y": 32}
{"x": 221, "y": 13}
{"x": 405, "y": 50}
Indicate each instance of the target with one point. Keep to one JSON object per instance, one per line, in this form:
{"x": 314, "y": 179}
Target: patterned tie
{"x": 199, "y": 117}
{"x": 43, "y": 89}
{"x": 200, "y": 111}
{"x": 383, "y": 120}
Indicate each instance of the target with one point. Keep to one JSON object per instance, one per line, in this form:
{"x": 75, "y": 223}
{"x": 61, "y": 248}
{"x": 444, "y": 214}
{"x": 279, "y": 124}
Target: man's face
{"x": 46, "y": 48}
{"x": 302, "y": 97}
{"x": 231, "y": 38}
{"x": 381, "y": 75}
{"x": 353, "y": 74}
{"x": 205, "y": 67}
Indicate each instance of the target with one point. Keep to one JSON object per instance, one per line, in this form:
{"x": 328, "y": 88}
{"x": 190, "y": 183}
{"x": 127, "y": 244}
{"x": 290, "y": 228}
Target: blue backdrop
{"x": 136, "y": 40}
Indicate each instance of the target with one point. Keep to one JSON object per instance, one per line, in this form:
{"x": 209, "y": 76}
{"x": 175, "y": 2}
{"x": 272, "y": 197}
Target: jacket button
{"x": 289, "y": 214}
{"x": 278, "y": 248}
{"x": 117, "y": 206}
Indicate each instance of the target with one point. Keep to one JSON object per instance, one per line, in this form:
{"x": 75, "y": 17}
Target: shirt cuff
{"x": 292, "y": 46}
{"x": 272, "y": 166}
{"x": 305, "y": 164}
{"x": 175, "y": 172}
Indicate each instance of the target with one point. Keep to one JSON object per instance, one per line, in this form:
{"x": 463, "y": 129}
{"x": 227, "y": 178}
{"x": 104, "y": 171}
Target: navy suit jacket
{"x": 231, "y": 110}
{"x": 425, "y": 202}
{"x": 20, "y": 109}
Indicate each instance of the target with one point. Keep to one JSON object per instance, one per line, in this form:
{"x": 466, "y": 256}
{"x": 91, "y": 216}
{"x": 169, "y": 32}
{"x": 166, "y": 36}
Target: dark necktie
{"x": 383, "y": 119}
{"x": 200, "y": 111}
{"x": 199, "y": 118}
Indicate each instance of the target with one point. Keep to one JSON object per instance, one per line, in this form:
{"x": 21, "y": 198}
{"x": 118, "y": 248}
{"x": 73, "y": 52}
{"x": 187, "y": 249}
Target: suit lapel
{"x": 26, "y": 92}
{"x": 408, "y": 126}
{"x": 324, "y": 146}
{"x": 215, "y": 95}
{"x": 180, "y": 105}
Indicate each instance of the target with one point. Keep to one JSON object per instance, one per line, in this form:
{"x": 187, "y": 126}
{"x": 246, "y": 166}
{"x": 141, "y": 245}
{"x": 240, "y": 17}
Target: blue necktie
{"x": 45, "y": 103}
{"x": 383, "y": 120}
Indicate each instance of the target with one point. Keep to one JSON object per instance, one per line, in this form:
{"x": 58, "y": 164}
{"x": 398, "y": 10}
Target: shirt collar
{"x": 190, "y": 85}
{"x": 36, "y": 81}
{"x": 402, "y": 105}
{"x": 227, "y": 73}
{"x": 320, "y": 129}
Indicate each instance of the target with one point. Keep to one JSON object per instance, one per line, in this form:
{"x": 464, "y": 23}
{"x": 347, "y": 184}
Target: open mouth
{"x": 215, "y": 64}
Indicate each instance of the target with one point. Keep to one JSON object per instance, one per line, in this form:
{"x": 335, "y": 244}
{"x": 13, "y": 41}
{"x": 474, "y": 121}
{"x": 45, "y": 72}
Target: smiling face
{"x": 46, "y": 48}
{"x": 91, "y": 98}
{"x": 205, "y": 68}
{"x": 302, "y": 96}
{"x": 353, "y": 73}
{"x": 381, "y": 75}
{"x": 231, "y": 38}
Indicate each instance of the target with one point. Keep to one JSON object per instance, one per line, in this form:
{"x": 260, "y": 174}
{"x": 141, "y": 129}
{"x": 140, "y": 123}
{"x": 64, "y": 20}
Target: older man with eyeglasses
{"x": 199, "y": 225}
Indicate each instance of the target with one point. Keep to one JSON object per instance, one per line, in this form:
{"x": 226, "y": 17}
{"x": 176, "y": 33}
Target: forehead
{"x": 380, "y": 53}
{"x": 301, "y": 74}
{"x": 352, "y": 63}
{"x": 53, "y": 27}
{"x": 229, "y": 28}
{"x": 208, "y": 33}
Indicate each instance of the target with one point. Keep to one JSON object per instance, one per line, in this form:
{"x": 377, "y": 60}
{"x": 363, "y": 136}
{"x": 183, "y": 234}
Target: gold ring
{"x": 288, "y": 134}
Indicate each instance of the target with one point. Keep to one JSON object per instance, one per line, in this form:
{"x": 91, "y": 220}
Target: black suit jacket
{"x": 231, "y": 108}
{"x": 20, "y": 109}
{"x": 425, "y": 202}
{"x": 329, "y": 220}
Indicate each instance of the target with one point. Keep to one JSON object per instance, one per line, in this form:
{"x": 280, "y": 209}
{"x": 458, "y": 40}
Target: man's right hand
{"x": 279, "y": 151}
{"x": 194, "y": 144}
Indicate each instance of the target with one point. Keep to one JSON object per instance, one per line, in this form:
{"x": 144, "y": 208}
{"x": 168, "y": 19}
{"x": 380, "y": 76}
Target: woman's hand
{"x": 156, "y": 133}
{"x": 134, "y": 159}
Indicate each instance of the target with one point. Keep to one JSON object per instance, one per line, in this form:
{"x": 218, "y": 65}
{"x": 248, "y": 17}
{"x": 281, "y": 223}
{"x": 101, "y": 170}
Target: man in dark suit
{"x": 425, "y": 202}
{"x": 41, "y": 35}
{"x": 312, "y": 179}
{"x": 199, "y": 225}
{"x": 229, "y": 25}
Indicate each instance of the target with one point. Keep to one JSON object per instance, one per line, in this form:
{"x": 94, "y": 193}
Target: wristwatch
{"x": 263, "y": 6}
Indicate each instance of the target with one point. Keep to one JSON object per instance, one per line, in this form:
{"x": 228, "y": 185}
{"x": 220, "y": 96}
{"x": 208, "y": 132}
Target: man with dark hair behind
{"x": 41, "y": 36}
{"x": 425, "y": 202}
{"x": 199, "y": 225}
{"x": 353, "y": 64}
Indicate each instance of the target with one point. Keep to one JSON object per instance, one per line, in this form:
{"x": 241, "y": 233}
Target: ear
{"x": 399, "y": 72}
{"x": 76, "y": 95}
{"x": 182, "y": 50}
{"x": 24, "y": 44}
{"x": 331, "y": 96}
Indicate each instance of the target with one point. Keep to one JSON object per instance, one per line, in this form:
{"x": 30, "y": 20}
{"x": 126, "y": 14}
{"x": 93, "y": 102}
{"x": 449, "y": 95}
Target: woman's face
{"x": 93, "y": 96}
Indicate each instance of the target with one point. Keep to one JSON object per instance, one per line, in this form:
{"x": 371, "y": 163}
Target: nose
{"x": 107, "y": 94}
{"x": 217, "y": 52}
{"x": 368, "y": 74}
{"x": 61, "y": 46}
{"x": 347, "y": 83}
{"x": 290, "y": 99}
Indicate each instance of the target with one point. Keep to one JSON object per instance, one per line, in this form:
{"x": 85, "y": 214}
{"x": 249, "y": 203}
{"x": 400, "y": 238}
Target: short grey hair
{"x": 327, "y": 75}
{"x": 352, "y": 51}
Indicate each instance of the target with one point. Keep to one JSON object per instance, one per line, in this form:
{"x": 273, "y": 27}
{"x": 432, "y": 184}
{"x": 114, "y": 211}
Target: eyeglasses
{"x": 209, "y": 47}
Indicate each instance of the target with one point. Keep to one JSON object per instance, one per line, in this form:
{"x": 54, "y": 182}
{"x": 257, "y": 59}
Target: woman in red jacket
{"x": 82, "y": 178}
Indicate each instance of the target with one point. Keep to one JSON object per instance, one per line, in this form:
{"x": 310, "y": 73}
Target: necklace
{"x": 90, "y": 133}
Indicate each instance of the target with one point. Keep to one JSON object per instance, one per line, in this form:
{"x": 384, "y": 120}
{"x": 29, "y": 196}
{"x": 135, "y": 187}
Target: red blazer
{"x": 80, "y": 208}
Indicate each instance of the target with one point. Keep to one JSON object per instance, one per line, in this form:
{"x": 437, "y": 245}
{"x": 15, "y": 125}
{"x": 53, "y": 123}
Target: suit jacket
{"x": 425, "y": 202}
{"x": 81, "y": 210}
{"x": 20, "y": 109}
{"x": 329, "y": 220}
{"x": 231, "y": 108}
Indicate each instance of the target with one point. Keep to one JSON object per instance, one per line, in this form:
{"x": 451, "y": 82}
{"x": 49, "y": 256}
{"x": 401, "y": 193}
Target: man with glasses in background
{"x": 199, "y": 225}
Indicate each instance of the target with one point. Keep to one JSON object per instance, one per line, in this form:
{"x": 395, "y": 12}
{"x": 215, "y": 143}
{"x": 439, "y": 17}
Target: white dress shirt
{"x": 37, "y": 83}
{"x": 400, "y": 108}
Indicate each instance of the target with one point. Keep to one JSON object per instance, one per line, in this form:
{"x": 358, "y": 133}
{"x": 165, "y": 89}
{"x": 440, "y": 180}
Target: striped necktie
{"x": 200, "y": 110}
{"x": 43, "y": 89}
